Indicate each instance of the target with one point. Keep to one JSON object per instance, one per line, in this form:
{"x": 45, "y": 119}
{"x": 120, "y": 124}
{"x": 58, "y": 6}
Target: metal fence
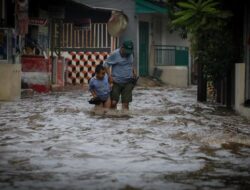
{"x": 171, "y": 55}
{"x": 96, "y": 36}
{"x": 68, "y": 36}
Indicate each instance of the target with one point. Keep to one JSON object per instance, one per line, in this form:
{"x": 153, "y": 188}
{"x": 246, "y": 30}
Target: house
{"x": 242, "y": 70}
{"x": 75, "y": 33}
{"x": 61, "y": 42}
{"x": 10, "y": 68}
{"x": 234, "y": 89}
{"x": 155, "y": 46}
{"x": 64, "y": 43}
{"x": 56, "y": 42}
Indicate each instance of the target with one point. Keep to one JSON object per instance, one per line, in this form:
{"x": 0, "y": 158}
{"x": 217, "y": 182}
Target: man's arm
{"x": 108, "y": 66}
{"x": 108, "y": 71}
{"x": 133, "y": 65}
{"x": 134, "y": 73}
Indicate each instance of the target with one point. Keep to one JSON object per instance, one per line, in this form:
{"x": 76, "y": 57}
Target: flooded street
{"x": 166, "y": 141}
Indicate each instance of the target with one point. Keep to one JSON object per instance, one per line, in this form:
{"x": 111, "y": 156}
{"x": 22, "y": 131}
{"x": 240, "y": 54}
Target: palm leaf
{"x": 210, "y": 10}
{"x": 192, "y": 2}
{"x": 210, "y": 3}
{"x": 186, "y": 5}
{"x": 181, "y": 13}
{"x": 181, "y": 20}
{"x": 210, "y": 6}
{"x": 199, "y": 3}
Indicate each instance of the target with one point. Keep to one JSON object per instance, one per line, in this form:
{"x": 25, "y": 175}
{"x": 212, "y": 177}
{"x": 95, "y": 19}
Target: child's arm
{"x": 92, "y": 88}
{"x": 93, "y": 93}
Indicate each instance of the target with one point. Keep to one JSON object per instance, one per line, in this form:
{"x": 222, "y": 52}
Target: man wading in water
{"x": 120, "y": 69}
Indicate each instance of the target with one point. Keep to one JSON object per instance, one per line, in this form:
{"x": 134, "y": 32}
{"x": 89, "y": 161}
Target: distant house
{"x": 65, "y": 41}
{"x": 75, "y": 33}
{"x": 61, "y": 42}
{"x": 155, "y": 46}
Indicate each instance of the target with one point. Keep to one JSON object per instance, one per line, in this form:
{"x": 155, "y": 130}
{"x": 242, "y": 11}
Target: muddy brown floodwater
{"x": 166, "y": 141}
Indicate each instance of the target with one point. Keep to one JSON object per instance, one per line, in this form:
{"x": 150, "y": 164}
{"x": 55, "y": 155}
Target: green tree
{"x": 201, "y": 19}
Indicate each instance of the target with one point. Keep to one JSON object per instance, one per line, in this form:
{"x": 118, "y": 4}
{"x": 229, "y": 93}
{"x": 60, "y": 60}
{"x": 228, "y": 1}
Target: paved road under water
{"x": 166, "y": 141}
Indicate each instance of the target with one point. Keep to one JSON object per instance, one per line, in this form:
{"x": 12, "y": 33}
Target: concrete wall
{"x": 10, "y": 81}
{"x": 240, "y": 80}
{"x": 172, "y": 38}
{"x": 174, "y": 75}
{"x": 160, "y": 35}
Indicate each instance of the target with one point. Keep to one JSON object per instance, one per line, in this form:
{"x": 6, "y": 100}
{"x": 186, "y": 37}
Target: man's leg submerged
{"x": 125, "y": 106}
{"x": 127, "y": 95}
{"x": 114, "y": 104}
{"x": 115, "y": 95}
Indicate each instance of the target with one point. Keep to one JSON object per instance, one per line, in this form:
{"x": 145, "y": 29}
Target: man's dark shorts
{"x": 125, "y": 90}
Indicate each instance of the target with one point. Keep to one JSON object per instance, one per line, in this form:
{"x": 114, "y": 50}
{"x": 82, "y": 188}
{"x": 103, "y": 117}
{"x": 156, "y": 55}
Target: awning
{"x": 143, "y": 6}
{"x": 92, "y": 5}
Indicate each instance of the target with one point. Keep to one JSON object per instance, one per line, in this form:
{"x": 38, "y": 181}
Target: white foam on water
{"x": 59, "y": 138}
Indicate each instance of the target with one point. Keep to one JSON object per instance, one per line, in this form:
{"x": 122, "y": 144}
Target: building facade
{"x": 61, "y": 42}
{"x": 156, "y": 49}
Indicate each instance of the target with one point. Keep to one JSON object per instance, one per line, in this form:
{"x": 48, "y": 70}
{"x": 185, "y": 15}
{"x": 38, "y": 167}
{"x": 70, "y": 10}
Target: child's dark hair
{"x": 99, "y": 68}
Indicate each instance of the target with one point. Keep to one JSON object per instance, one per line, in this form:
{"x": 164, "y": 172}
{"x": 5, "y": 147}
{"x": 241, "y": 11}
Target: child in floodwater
{"x": 100, "y": 88}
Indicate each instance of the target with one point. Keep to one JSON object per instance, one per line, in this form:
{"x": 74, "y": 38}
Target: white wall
{"x": 162, "y": 36}
{"x": 173, "y": 38}
{"x": 173, "y": 75}
{"x": 157, "y": 32}
{"x": 10, "y": 81}
{"x": 240, "y": 90}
